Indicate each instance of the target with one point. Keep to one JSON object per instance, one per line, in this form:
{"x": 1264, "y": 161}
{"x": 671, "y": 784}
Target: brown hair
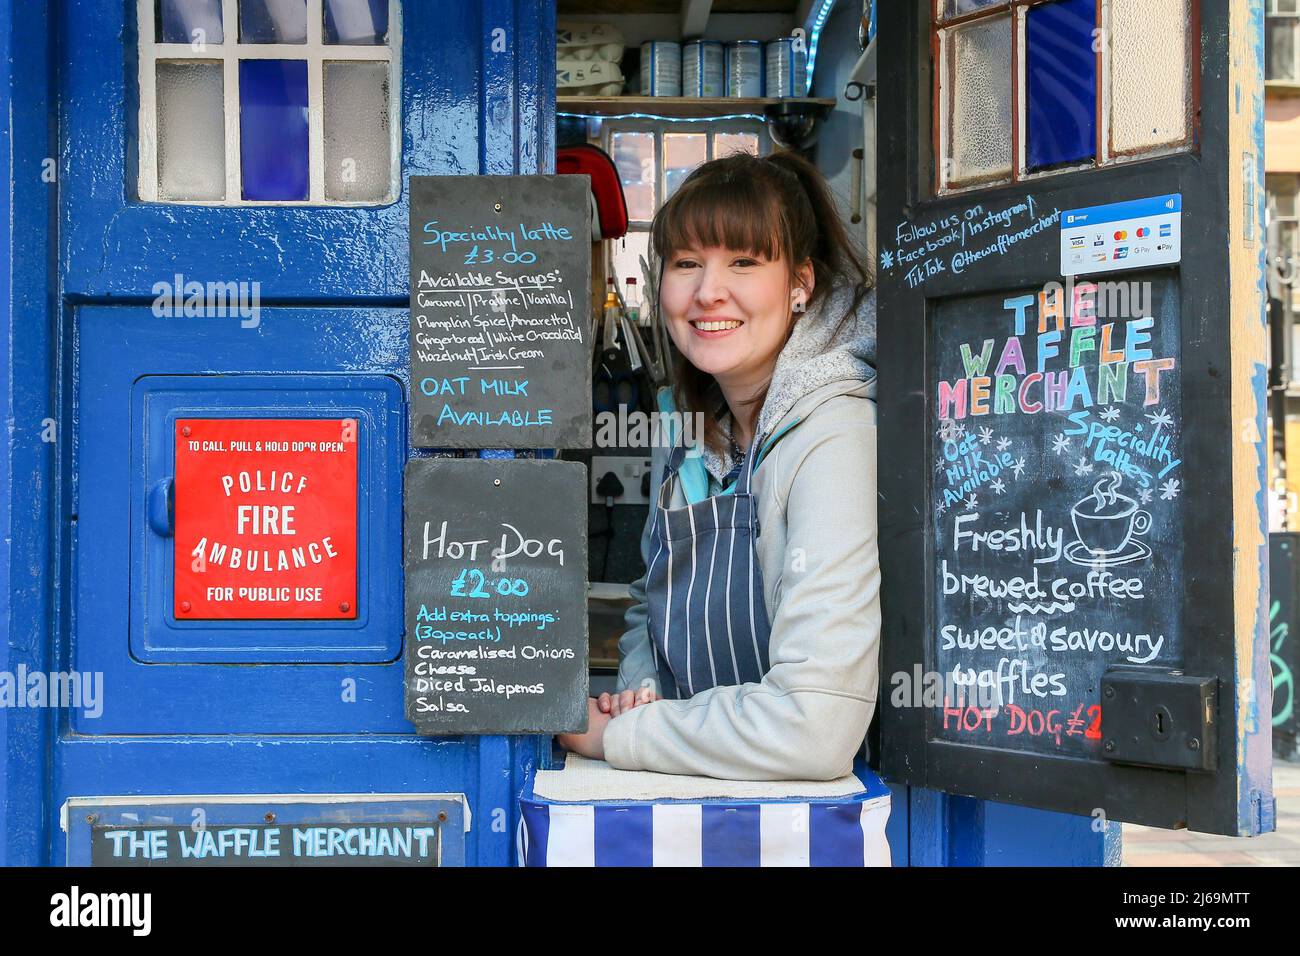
{"x": 779, "y": 207}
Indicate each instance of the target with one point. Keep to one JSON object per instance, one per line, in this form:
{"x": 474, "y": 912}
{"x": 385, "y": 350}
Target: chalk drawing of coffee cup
{"x": 1107, "y": 523}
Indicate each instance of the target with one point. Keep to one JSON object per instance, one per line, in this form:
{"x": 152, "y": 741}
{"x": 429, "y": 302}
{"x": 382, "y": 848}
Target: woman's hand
{"x": 623, "y": 701}
{"x": 592, "y": 743}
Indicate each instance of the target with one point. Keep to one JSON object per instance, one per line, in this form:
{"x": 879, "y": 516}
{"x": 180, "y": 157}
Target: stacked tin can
{"x": 703, "y": 71}
{"x": 661, "y": 68}
{"x": 745, "y": 68}
{"x": 786, "y": 67}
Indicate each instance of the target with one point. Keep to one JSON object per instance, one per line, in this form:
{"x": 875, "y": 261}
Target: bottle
{"x": 632, "y": 302}
{"x": 612, "y": 312}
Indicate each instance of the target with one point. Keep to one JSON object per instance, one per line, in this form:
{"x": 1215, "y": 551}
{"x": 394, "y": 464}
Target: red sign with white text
{"x": 266, "y": 518}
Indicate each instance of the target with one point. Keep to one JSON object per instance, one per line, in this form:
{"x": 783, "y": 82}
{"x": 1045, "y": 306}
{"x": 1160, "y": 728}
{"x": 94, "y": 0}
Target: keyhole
{"x": 1161, "y": 723}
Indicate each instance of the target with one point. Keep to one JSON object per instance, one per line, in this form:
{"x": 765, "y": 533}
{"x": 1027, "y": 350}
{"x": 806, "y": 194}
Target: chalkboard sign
{"x": 1057, "y": 487}
{"x": 1284, "y": 627}
{"x": 496, "y": 596}
{"x": 500, "y": 311}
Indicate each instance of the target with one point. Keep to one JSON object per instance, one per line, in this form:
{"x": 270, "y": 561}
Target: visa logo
{"x": 1100, "y": 240}
{"x": 1076, "y": 242}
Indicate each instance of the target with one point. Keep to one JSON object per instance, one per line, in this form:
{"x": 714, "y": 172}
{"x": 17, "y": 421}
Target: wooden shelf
{"x": 676, "y": 107}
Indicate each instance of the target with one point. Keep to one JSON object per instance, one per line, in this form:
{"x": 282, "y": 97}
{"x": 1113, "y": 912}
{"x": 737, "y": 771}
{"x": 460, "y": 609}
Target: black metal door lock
{"x": 1159, "y": 717}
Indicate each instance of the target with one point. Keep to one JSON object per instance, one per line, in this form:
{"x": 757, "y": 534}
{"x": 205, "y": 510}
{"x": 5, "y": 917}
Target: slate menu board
{"x": 500, "y": 311}
{"x": 1284, "y": 627}
{"x": 496, "y": 596}
{"x": 1057, "y": 496}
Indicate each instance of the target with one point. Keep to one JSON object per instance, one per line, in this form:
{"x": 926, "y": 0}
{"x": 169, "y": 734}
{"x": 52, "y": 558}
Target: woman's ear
{"x": 805, "y": 280}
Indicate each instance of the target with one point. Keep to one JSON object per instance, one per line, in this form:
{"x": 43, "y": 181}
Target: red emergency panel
{"x": 266, "y": 518}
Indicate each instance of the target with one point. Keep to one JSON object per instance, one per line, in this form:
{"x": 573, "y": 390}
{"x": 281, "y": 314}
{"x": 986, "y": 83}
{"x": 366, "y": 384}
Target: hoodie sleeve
{"x": 807, "y": 718}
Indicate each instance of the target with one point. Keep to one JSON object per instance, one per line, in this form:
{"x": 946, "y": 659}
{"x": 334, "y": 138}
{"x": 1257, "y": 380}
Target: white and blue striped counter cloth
{"x": 589, "y": 814}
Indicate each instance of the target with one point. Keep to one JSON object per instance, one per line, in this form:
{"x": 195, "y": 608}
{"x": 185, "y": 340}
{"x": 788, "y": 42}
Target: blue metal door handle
{"x": 161, "y": 507}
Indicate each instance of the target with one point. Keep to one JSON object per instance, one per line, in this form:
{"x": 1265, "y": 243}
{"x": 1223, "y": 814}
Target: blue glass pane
{"x": 1061, "y": 73}
{"x": 176, "y": 20}
{"x": 356, "y": 22}
{"x": 273, "y": 138}
{"x": 273, "y": 21}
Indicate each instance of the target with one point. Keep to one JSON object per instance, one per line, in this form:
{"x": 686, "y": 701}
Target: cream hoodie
{"x": 816, "y": 495}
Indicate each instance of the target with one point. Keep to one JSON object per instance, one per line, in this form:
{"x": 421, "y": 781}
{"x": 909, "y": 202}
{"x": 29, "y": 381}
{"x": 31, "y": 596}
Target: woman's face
{"x": 728, "y": 312}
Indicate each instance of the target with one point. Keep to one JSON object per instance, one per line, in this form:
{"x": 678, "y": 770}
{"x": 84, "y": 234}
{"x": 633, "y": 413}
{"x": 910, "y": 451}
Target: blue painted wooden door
{"x": 248, "y": 707}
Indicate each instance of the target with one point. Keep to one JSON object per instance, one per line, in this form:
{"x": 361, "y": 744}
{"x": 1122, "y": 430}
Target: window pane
{"x": 273, "y": 128}
{"x": 682, "y": 153}
{"x": 188, "y": 21}
{"x": 1284, "y": 6}
{"x": 191, "y": 131}
{"x": 955, "y": 8}
{"x": 1282, "y": 193}
{"x": 1279, "y": 49}
{"x": 724, "y": 144}
{"x": 1061, "y": 70}
{"x": 978, "y": 75}
{"x": 357, "y": 140}
{"x": 273, "y": 21}
{"x": 1149, "y": 72}
{"x": 634, "y": 157}
{"x": 357, "y": 22}
{"x": 625, "y": 253}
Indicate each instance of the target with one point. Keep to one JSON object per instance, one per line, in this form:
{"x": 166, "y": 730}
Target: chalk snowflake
{"x": 1144, "y": 495}
{"x": 1161, "y": 417}
{"x": 886, "y": 259}
{"x": 986, "y": 435}
{"x": 970, "y": 502}
{"x": 1004, "y": 444}
{"x": 949, "y": 430}
{"x": 941, "y": 508}
{"x": 998, "y": 486}
{"x": 1083, "y": 467}
{"x": 1110, "y": 414}
{"x": 1018, "y": 467}
{"x": 1060, "y": 443}
{"x": 1169, "y": 489}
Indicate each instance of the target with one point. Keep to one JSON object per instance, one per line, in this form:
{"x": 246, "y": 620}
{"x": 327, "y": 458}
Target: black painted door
{"x": 1072, "y": 407}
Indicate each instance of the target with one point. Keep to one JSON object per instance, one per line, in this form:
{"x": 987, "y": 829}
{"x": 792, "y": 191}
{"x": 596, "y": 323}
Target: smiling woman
{"x": 752, "y": 651}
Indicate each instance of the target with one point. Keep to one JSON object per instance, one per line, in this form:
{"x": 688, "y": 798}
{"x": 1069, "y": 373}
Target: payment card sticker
{"x": 1122, "y": 235}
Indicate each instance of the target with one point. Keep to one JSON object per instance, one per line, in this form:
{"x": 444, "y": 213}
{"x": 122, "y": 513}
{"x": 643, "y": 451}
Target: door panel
{"x": 137, "y": 375}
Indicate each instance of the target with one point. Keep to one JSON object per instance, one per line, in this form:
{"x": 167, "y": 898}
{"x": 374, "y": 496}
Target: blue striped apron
{"x": 704, "y": 588}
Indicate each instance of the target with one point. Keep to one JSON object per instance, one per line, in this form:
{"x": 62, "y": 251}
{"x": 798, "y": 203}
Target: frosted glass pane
{"x": 634, "y": 158}
{"x": 358, "y": 165}
{"x": 724, "y": 144}
{"x": 1149, "y": 67}
{"x": 357, "y": 22}
{"x": 955, "y": 8}
{"x": 978, "y": 75}
{"x": 191, "y": 131}
{"x": 682, "y": 153}
{"x": 188, "y": 21}
{"x": 273, "y": 21}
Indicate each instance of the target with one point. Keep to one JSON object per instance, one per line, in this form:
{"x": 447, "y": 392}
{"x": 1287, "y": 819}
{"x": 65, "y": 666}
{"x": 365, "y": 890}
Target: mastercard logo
{"x": 1121, "y": 236}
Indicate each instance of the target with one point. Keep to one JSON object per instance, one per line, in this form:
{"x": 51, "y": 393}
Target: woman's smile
{"x": 714, "y": 327}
